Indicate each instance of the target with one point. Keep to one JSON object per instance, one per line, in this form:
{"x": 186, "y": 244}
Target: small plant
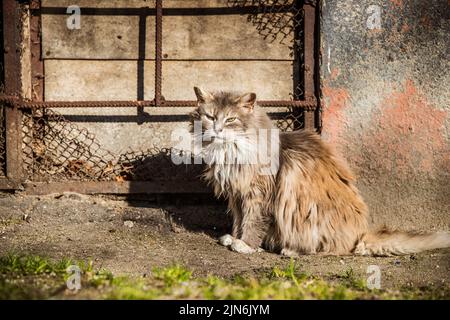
{"x": 32, "y": 265}
{"x": 34, "y": 277}
{"x": 288, "y": 273}
{"x": 349, "y": 279}
{"x": 172, "y": 275}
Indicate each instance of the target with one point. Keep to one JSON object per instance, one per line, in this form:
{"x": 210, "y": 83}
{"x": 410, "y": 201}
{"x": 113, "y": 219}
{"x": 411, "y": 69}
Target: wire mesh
{"x": 275, "y": 20}
{"x": 291, "y": 120}
{"x": 282, "y": 21}
{"x": 55, "y": 149}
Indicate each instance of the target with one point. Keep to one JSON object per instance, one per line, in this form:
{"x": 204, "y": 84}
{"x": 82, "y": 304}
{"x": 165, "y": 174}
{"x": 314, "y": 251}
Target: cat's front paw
{"x": 289, "y": 253}
{"x": 226, "y": 240}
{"x": 361, "y": 249}
{"x": 241, "y": 247}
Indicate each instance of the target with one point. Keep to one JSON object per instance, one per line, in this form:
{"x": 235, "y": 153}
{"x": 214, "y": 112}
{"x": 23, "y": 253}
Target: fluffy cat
{"x": 308, "y": 205}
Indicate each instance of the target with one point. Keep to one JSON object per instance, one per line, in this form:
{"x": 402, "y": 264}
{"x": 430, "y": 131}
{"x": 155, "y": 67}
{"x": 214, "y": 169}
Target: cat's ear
{"x": 247, "y": 100}
{"x": 195, "y": 115}
{"x": 202, "y": 95}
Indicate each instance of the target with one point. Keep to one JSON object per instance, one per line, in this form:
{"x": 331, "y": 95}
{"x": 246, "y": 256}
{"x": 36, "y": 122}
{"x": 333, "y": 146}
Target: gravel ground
{"x": 132, "y": 237}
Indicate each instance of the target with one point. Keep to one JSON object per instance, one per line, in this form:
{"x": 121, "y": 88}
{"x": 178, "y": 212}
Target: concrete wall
{"x": 99, "y": 62}
{"x": 387, "y": 104}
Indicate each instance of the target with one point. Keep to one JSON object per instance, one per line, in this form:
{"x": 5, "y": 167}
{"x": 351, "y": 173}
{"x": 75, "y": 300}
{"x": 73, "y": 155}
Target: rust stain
{"x": 335, "y": 72}
{"x": 336, "y": 101}
{"x": 397, "y": 3}
{"x": 407, "y": 134}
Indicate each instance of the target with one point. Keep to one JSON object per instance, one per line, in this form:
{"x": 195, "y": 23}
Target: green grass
{"x": 34, "y": 265}
{"x": 35, "y": 277}
{"x": 349, "y": 279}
{"x": 6, "y": 222}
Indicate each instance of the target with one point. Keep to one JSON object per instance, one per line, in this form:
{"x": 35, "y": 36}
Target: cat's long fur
{"x": 310, "y": 205}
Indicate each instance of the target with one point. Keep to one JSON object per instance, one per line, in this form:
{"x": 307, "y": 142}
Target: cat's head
{"x": 227, "y": 115}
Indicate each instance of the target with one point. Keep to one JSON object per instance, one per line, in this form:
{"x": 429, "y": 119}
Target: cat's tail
{"x": 385, "y": 242}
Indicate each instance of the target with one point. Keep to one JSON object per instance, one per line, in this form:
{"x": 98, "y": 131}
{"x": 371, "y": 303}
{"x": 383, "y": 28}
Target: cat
{"x": 308, "y": 205}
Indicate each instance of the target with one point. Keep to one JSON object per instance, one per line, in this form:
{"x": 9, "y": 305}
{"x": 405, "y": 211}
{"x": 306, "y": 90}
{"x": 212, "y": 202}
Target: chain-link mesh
{"x": 275, "y": 20}
{"x": 282, "y": 21}
{"x": 56, "y": 149}
{"x": 291, "y": 120}
{"x": 2, "y": 142}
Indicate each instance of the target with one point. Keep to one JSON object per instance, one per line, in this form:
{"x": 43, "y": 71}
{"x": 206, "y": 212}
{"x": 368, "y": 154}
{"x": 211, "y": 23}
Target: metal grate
{"x": 275, "y": 20}
{"x": 292, "y": 119}
{"x": 282, "y": 21}
{"x": 55, "y": 149}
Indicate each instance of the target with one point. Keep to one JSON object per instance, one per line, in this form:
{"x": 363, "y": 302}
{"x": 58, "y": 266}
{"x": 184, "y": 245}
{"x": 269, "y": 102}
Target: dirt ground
{"x": 132, "y": 237}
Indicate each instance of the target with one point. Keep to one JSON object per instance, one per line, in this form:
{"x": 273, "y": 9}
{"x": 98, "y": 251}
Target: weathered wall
{"x": 387, "y": 104}
{"x": 385, "y": 87}
{"x": 99, "y": 62}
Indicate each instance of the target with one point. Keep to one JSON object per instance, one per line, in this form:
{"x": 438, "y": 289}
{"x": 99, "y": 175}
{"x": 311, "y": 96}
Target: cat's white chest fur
{"x": 230, "y": 164}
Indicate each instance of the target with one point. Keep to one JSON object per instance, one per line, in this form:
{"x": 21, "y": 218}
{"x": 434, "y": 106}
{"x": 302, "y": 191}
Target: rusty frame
{"x": 12, "y": 86}
{"x": 14, "y": 101}
{"x": 309, "y": 54}
{"x": 310, "y": 102}
{"x": 37, "y": 63}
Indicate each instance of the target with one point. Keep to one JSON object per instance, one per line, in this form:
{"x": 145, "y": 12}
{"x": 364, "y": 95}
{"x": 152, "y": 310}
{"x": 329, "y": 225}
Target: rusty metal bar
{"x": 23, "y": 104}
{"x": 317, "y": 56}
{"x": 250, "y": 9}
{"x": 12, "y": 68}
{"x": 7, "y": 184}
{"x": 309, "y": 61}
{"x": 158, "y": 50}
{"x": 141, "y": 55}
{"x": 113, "y": 187}
{"x": 37, "y": 64}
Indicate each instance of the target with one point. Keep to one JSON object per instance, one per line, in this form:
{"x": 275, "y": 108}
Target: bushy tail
{"x": 385, "y": 242}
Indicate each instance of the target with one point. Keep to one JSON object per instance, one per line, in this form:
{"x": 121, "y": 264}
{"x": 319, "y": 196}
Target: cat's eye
{"x": 230, "y": 120}
{"x": 209, "y": 117}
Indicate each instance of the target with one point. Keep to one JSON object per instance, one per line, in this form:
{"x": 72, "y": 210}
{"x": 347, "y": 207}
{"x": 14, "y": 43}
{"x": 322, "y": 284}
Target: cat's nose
{"x": 218, "y": 129}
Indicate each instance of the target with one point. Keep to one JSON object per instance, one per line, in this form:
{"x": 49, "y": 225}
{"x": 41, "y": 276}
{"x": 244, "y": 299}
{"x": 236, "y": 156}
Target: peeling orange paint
{"x": 407, "y": 134}
{"x": 336, "y": 101}
{"x": 335, "y": 73}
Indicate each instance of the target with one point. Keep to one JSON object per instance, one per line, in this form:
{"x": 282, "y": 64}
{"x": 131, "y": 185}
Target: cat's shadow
{"x": 189, "y": 213}
{"x": 190, "y": 210}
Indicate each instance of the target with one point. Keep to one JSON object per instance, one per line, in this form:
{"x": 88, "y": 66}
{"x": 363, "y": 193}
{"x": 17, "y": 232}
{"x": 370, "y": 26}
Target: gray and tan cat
{"x": 308, "y": 206}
